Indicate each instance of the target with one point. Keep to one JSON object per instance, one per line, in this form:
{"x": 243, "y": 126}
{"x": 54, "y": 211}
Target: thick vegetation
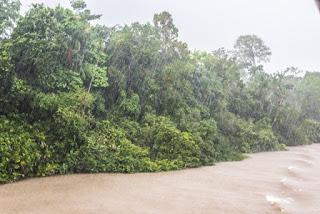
{"x": 78, "y": 97}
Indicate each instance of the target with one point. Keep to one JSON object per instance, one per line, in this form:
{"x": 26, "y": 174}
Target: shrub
{"x": 166, "y": 142}
{"x": 205, "y": 136}
{"x": 263, "y": 138}
{"x": 107, "y": 150}
{"x": 19, "y": 150}
{"x": 288, "y": 127}
{"x": 312, "y": 130}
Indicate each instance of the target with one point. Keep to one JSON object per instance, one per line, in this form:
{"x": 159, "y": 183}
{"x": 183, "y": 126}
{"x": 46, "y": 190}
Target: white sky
{"x": 291, "y": 28}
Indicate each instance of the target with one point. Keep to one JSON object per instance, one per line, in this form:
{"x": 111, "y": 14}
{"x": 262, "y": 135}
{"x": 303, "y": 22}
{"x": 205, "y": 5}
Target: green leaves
{"x": 19, "y": 150}
{"x": 312, "y": 130}
{"x": 251, "y": 50}
{"x": 78, "y": 97}
{"x": 166, "y": 142}
{"x": 55, "y": 51}
{"x": 9, "y": 13}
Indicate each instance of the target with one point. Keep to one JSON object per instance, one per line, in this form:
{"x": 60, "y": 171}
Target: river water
{"x": 275, "y": 182}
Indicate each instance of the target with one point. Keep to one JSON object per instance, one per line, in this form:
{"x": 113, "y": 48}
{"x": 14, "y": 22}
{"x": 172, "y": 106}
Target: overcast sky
{"x": 291, "y": 28}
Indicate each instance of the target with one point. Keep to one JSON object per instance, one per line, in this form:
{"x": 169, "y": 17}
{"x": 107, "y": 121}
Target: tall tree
{"x": 172, "y": 48}
{"x": 9, "y": 13}
{"x": 56, "y": 50}
{"x": 251, "y": 50}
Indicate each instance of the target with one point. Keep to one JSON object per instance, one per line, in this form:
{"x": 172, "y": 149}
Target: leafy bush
{"x": 312, "y": 130}
{"x": 165, "y": 141}
{"x": 19, "y": 150}
{"x": 288, "y": 126}
{"x": 263, "y": 138}
{"x": 205, "y": 135}
{"x": 77, "y": 97}
{"x": 108, "y": 150}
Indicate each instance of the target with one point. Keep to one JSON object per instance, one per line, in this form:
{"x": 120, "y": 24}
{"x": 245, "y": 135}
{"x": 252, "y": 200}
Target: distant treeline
{"x": 77, "y": 97}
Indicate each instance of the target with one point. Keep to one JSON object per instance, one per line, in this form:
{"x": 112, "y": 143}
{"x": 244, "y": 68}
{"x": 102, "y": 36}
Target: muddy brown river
{"x": 276, "y": 182}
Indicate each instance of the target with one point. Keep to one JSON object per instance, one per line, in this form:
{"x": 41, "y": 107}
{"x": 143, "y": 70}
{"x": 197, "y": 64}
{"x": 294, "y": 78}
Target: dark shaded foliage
{"x": 77, "y": 97}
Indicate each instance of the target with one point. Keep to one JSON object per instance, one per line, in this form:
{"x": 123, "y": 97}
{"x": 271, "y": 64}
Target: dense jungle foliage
{"x": 81, "y": 97}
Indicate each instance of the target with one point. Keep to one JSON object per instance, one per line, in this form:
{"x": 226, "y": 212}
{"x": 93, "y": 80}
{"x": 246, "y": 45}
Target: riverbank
{"x": 274, "y": 182}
